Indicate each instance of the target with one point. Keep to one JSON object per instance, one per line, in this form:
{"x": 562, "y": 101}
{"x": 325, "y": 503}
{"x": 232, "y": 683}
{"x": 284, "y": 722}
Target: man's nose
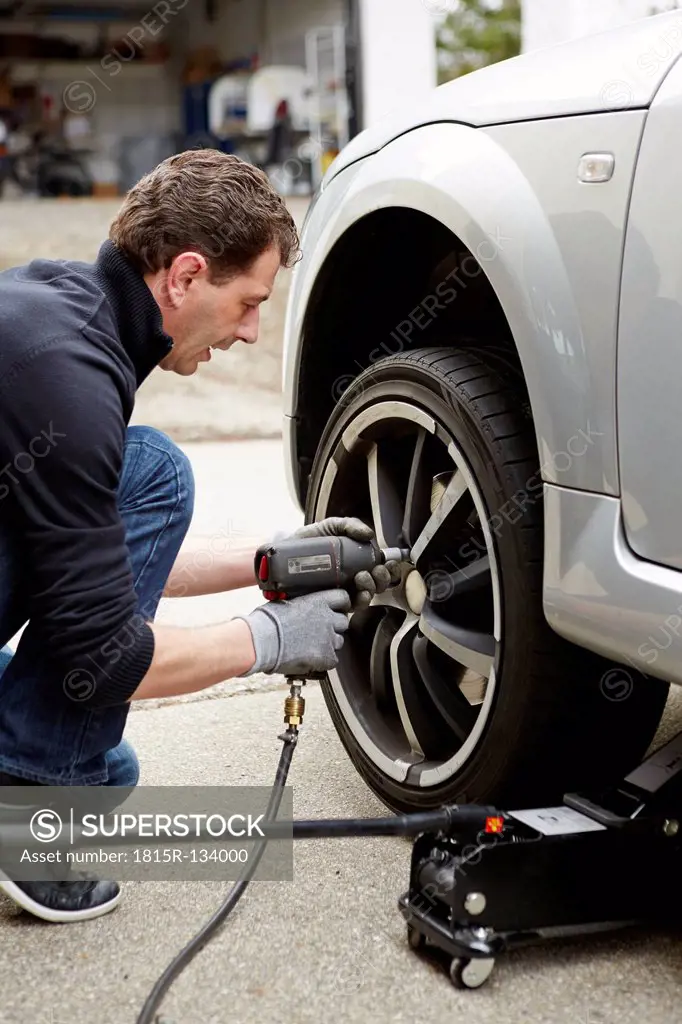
{"x": 248, "y": 330}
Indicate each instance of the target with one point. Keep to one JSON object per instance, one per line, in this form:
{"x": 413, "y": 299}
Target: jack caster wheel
{"x": 466, "y": 973}
{"x": 415, "y": 938}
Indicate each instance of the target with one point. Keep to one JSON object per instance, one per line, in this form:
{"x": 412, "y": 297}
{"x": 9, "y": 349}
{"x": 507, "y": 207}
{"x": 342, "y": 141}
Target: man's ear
{"x": 186, "y": 268}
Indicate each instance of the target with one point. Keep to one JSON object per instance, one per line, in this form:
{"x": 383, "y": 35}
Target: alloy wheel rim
{"x": 418, "y": 672}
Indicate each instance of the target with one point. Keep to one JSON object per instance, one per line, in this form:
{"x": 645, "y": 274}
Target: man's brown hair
{"x": 208, "y": 202}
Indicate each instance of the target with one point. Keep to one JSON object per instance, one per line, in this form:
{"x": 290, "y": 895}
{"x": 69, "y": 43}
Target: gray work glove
{"x": 299, "y": 635}
{"x": 367, "y": 584}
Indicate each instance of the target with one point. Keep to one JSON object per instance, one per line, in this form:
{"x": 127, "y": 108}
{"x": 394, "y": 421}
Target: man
{"x": 93, "y": 512}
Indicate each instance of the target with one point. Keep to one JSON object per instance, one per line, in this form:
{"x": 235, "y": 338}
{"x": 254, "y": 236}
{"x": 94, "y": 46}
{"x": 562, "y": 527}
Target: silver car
{"x": 484, "y": 359}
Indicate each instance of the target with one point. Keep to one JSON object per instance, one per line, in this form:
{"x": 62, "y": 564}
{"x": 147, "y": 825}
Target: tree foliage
{"x": 480, "y": 32}
{"x": 476, "y": 33}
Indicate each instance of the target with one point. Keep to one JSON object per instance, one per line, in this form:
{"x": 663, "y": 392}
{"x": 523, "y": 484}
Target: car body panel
{"x": 510, "y": 194}
{"x": 650, "y": 356}
{"x": 574, "y": 369}
{"x": 589, "y": 279}
{"x": 615, "y": 70}
{"x": 598, "y": 594}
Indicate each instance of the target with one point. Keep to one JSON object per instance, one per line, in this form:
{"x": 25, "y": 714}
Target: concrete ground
{"x": 327, "y": 947}
{"x": 330, "y": 945}
{"x": 236, "y": 395}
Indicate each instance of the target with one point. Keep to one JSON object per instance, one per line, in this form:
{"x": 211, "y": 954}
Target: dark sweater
{"x": 76, "y": 341}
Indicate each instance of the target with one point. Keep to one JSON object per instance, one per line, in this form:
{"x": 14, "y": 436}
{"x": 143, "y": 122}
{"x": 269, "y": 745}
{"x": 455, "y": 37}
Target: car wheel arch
{"x": 384, "y": 245}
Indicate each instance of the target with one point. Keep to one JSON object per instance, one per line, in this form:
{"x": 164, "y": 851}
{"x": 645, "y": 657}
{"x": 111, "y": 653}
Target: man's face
{"x": 201, "y": 316}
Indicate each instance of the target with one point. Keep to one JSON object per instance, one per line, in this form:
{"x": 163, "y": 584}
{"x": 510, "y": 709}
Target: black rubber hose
{"x": 236, "y": 892}
{"x": 446, "y": 817}
{"x": 400, "y": 825}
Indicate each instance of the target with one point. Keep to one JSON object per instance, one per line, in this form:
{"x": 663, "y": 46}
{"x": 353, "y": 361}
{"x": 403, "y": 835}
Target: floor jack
{"x": 596, "y": 863}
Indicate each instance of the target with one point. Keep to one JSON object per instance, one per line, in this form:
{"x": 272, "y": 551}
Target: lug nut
{"x": 475, "y": 903}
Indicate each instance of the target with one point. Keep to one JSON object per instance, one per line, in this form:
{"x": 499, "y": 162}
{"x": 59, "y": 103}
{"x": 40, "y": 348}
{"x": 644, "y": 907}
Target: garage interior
{"x": 93, "y": 94}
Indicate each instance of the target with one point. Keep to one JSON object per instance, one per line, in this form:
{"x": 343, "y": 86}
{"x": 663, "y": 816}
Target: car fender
{"x": 464, "y": 178}
{"x": 619, "y": 68}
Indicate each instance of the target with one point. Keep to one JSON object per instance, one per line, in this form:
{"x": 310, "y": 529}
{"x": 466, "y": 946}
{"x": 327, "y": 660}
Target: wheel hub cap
{"x": 415, "y": 592}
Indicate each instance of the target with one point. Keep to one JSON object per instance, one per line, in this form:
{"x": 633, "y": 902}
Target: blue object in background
{"x": 195, "y": 108}
{"x": 195, "y": 119}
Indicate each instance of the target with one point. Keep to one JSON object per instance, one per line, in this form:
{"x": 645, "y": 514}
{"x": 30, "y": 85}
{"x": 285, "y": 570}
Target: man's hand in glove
{"x": 367, "y": 583}
{"x": 301, "y": 635}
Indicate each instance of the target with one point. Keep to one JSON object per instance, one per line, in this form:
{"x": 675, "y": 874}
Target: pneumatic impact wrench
{"x": 297, "y": 566}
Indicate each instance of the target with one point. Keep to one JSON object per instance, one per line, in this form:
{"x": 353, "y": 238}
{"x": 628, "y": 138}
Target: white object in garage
{"x": 227, "y": 96}
{"x": 326, "y": 63}
{"x": 268, "y": 87}
{"x": 398, "y": 54}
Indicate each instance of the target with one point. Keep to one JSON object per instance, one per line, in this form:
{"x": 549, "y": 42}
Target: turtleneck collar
{"x": 135, "y": 310}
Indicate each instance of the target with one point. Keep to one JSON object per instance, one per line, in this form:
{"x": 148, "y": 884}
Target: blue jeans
{"x": 44, "y": 737}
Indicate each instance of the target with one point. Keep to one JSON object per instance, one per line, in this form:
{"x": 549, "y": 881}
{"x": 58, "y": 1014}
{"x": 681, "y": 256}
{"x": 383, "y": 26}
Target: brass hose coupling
{"x": 294, "y": 705}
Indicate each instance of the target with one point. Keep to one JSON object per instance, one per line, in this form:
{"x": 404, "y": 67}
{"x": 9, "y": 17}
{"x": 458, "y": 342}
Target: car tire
{"x": 549, "y": 716}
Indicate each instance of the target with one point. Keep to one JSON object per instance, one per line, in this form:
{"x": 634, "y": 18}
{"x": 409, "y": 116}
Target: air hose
{"x": 183, "y": 958}
{"x": 323, "y": 828}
